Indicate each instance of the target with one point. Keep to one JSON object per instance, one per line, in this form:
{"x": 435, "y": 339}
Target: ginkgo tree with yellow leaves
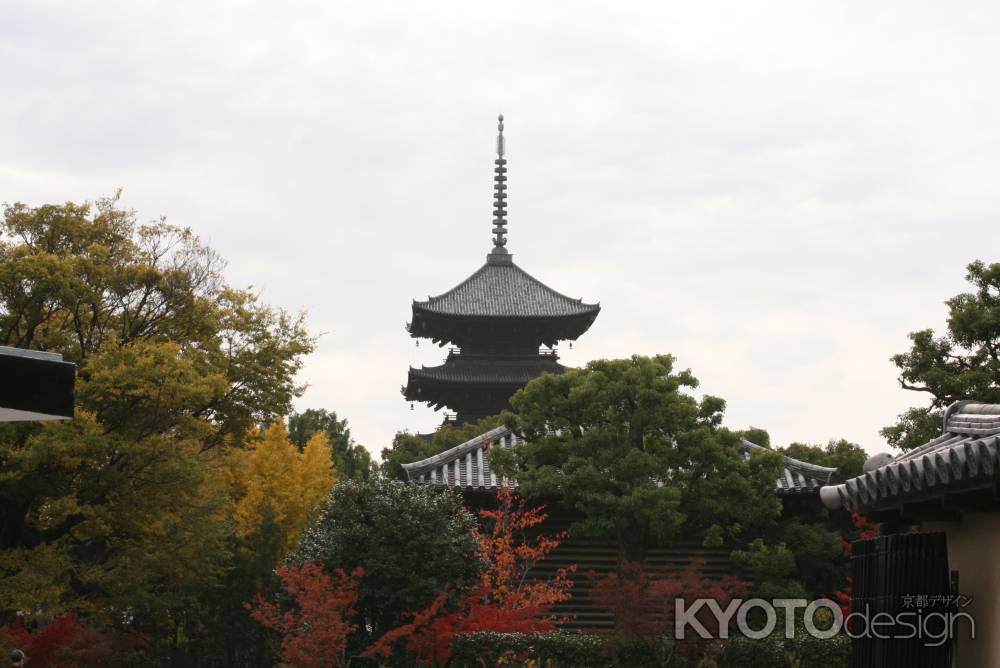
{"x": 271, "y": 473}
{"x": 119, "y": 516}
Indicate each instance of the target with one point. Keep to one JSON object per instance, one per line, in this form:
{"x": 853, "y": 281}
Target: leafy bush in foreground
{"x": 562, "y": 649}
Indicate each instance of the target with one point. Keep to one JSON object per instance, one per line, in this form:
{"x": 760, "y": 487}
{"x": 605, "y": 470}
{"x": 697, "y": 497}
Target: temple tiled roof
{"x": 466, "y": 467}
{"x": 799, "y": 477}
{"x": 493, "y": 372}
{"x": 965, "y": 456}
{"x": 504, "y": 291}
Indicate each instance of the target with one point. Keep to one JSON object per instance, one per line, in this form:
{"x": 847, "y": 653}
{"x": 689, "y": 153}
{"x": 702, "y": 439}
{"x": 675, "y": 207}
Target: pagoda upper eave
{"x": 460, "y": 330}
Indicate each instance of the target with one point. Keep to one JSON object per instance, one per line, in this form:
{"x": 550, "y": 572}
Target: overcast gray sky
{"x": 776, "y": 192}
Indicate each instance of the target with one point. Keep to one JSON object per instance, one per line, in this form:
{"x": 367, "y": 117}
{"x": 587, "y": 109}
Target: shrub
{"x": 506, "y": 599}
{"x": 765, "y": 653}
{"x": 411, "y": 540}
{"x": 802, "y": 651}
{"x": 813, "y": 652}
{"x": 558, "y": 650}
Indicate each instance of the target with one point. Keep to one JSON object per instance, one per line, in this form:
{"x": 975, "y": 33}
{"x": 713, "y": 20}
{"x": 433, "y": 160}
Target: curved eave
{"x": 798, "y": 477}
{"x": 426, "y": 381}
{"x": 502, "y": 290}
{"x": 823, "y": 474}
{"x": 428, "y": 307}
{"x": 969, "y": 463}
{"x": 422, "y": 376}
{"x": 466, "y": 467}
{"x": 965, "y": 458}
{"x": 420, "y": 386}
{"x": 444, "y": 328}
{"x": 415, "y": 469}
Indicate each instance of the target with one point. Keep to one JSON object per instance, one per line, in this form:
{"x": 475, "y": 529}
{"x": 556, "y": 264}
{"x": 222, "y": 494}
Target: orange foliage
{"x": 505, "y": 600}
{"x": 509, "y": 555}
{"x": 314, "y": 633}
{"x": 643, "y": 606}
{"x": 868, "y": 530}
{"x": 432, "y": 642}
{"x": 383, "y": 647}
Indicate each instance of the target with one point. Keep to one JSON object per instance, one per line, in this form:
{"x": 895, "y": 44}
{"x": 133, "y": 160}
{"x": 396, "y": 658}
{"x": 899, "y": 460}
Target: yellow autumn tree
{"x": 273, "y": 473}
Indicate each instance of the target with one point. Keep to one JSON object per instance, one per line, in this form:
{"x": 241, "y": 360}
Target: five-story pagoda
{"x": 497, "y": 320}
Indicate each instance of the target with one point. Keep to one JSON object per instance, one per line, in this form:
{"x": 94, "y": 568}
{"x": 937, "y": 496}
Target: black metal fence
{"x": 899, "y": 584}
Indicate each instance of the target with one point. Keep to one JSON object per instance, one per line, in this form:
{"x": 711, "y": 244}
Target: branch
{"x": 914, "y": 388}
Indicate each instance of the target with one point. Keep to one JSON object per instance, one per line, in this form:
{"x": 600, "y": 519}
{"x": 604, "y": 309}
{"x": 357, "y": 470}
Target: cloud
{"x": 776, "y": 194}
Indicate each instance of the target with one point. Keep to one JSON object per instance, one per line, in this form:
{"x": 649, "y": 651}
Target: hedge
{"x": 802, "y": 651}
{"x": 562, "y": 649}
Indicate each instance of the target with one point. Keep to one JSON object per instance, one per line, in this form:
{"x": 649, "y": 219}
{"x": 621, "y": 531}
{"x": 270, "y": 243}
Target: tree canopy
{"x": 411, "y": 541}
{"x": 963, "y": 363}
{"x": 350, "y": 459}
{"x": 644, "y": 462}
{"x": 120, "y": 514}
{"x": 272, "y": 474}
{"x": 848, "y": 458}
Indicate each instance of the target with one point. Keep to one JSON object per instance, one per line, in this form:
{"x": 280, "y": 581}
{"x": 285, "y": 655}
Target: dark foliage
{"x": 411, "y": 541}
{"x": 964, "y": 363}
{"x": 564, "y": 650}
{"x": 350, "y": 459}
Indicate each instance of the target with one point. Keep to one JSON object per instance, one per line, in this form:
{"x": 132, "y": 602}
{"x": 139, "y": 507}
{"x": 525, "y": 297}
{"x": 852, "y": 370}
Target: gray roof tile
{"x": 504, "y": 290}
{"x": 466, "y": 467}
{"x": 966, "y": 454}
{"x": 510, "y": 372}
{"x": 798, "y": 477}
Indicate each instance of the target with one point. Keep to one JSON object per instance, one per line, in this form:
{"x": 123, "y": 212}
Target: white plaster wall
{"x": 974, "y": 551}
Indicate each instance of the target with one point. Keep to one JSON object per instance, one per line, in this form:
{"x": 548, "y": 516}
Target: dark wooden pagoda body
{"x": 502, "y": 325}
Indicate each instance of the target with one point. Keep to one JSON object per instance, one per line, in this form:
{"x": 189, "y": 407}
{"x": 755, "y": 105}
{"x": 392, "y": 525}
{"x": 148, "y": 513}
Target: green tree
{"x": 411, "y": 541}
{"x": 119, "y": 513}
{"x": 802, "y": 553}
{"x": 407, "y": 447}
{"x": 350, "y": 459}
{"x": 964, "y": 363}
{"x": 848, "y": 458}
{"x": 622, "y": 442}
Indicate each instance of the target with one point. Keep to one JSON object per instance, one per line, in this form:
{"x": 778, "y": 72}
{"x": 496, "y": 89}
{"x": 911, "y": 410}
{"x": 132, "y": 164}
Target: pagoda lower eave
{"x": 475, "y": 387}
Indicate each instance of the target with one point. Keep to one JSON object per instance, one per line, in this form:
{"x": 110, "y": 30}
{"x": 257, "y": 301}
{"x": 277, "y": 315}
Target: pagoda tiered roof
{"x": 504, "y": 291}
{"x": 502, "y": 298}
{"x": 486, "y": 371}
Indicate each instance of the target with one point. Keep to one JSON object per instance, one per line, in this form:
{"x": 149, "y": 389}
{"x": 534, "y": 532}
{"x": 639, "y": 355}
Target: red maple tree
{"x": 506, "y": 599}
{"x": 63, "y": 643}
{"x": 643, "y": 605}
{"x": 867, "y": 531}
{"x": 315, "y": 631}
{"x": 510, "y": 552}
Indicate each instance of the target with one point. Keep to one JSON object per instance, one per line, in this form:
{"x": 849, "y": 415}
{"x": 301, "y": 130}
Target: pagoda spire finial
{"x": 499, "y": 254}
